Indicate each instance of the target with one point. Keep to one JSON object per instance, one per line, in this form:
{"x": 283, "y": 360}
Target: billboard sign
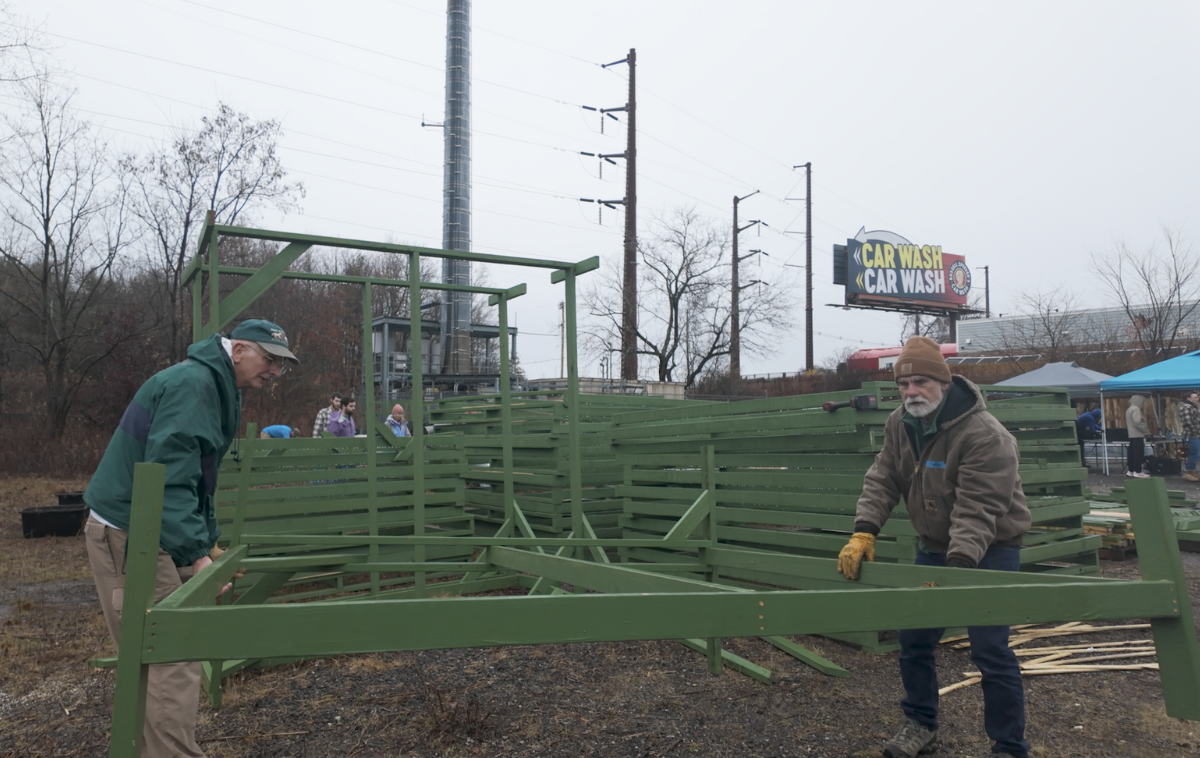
{"x": 883, "y": 268}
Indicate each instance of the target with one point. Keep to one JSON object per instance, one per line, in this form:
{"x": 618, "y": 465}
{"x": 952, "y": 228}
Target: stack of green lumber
{"x": 324, "y": 486}
{"x": 790, "y": 474}
{"x": 539, "y": 435}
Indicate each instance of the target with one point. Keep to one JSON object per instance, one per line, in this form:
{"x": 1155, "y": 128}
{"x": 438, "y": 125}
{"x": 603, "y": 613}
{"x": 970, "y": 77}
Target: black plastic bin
{"x": 53, "y": 520}
{"x": 1163, "y": 466}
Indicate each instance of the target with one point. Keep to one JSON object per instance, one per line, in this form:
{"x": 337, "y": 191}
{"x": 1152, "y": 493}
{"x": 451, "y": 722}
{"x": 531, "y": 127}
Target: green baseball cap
{"x": 270, "y": 337}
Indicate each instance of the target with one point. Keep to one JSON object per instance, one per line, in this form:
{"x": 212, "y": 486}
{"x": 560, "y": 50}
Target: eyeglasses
{"x": 272, "y": 360}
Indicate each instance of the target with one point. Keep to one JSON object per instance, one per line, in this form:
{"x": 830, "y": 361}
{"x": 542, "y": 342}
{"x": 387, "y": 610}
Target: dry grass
{"x": 613, "y": 699}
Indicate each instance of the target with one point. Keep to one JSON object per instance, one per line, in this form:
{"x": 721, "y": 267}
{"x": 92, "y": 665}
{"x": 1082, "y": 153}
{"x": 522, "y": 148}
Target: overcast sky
{"x": 1022, "y": 135}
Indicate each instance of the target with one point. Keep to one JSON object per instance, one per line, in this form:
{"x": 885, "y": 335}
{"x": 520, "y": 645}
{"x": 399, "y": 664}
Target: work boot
{"x": 912, "y": 740}
{"x": 1190, "y": 476}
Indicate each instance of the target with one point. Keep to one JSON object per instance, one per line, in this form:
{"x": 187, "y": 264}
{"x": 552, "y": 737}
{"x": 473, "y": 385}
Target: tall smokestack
{"x": 456, "y": 193}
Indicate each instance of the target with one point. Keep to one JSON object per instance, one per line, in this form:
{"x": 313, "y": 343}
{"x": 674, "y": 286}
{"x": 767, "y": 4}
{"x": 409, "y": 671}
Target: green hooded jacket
{"x": 183, "y": 417}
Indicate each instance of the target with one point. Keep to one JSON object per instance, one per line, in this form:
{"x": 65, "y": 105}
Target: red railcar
{"x": 883, "y": 357}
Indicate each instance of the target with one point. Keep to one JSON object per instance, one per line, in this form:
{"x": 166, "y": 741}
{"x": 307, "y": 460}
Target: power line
{"x": 749, "y": 147}
{"x": 501, "y": 183}
{"x": 370, "y": 50}
{"x": 370, "y": 73}
{"x": 233, "y": 76}
{"x": 384, "y": 110}
{"x": 850, "y": 339}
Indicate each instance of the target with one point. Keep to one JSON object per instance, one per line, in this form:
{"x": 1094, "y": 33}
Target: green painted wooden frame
{"x": 637, "y": 601}
{"x": 636, "y": 604}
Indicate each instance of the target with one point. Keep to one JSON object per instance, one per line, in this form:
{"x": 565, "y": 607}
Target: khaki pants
{"x": 173, "y": 690}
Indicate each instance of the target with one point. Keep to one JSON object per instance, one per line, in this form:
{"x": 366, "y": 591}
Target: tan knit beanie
{"x": 923, "y": 356}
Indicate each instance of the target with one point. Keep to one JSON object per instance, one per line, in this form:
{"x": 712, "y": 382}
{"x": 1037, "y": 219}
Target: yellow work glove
{"x": 217, "y": 552}
{"x": 849, "y": 560}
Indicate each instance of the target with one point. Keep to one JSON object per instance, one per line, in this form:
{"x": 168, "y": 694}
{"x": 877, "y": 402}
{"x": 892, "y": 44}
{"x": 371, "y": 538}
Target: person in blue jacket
{"x": 1087, "y": 427}
{"x": 278, "y": 431}
{"x": 396, "y": 422}
{"x": 184, "y": 417}
{"x": 1089, "y": 421}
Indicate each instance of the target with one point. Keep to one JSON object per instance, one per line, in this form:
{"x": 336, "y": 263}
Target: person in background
{"x": 396, "y": 422}
{"x": 323, "y": 415}
{"x": 279, "y": 431}
{"x": 184, "y": 417}
{"x": 341, "y": 424}
{"x": 1087, "y": 427}
{"x": 1139, "y": 430}
{"x": 1189, "y": 418}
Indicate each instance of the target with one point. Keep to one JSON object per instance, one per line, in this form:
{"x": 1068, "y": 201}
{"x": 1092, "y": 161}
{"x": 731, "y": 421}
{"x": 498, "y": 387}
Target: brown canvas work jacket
{"x": 958, "y": 478}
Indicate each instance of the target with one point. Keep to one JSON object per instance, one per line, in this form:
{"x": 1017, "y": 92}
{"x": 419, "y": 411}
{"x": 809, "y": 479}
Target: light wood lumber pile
{"x": 1083, "y": 657}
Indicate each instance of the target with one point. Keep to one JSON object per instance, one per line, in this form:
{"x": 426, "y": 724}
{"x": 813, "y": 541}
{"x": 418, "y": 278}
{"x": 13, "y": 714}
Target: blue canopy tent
{"x": 1180, "y": 373}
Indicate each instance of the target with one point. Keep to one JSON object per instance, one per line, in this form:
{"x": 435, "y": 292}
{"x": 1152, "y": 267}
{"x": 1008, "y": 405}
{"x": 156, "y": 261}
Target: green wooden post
{"x": 708, "y": 482}
{"x": 206, "y": 233}
{"x": 368, "y": 425}
{"x": 1158, "y": 557}
{"x": 141, "y": 570}
{"x": 417, "y": 407}
{"x": 506, "y": 411}
{"x": 214, "y": 286}
{"x": 197, "y": 306}
{"x": 243, "y": 493}
{"x": 213, "y": 669}
{"x": 572, "y": 400}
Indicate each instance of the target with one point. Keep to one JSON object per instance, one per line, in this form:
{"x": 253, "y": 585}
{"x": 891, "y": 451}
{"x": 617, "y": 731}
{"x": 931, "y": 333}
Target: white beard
{"x": 919, "y": 407}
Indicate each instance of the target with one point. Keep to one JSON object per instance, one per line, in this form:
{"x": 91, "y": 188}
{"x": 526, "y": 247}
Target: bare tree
{"x": 837, "y": 360}
{"x": 64, "y": 225}
{"x": 1158, "y": 291}
{"x": 684, "y": 302}
{"x": 1049, "y": 323}
{"x": 937, "y": 328}
{"x": 20, "y": 47}
{"x": 230, "y": 166}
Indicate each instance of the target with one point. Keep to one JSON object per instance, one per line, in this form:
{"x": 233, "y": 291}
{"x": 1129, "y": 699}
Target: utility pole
{"x": 808, "y": 305}
{"x": 808, "y": 287}
{"x": 629, "y": 309}
{"x": 629, "y": 291}
{"x": 987, "y": 294}
{"x": 808, "y": 311}
{"x": 735, "y": 337}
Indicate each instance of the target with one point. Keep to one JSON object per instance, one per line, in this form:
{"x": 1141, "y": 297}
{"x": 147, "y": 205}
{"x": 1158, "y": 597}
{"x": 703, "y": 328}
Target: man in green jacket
{"x": 955, "y": 466}
{"x": 184, "y": 417}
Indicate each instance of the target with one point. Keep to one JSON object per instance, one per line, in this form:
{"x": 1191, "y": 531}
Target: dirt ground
{"x": 614, "y": 699}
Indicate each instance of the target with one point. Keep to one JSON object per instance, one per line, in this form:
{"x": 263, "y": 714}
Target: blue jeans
{"x": 1193, "y": 453}
{"x": 1003, "y": 693}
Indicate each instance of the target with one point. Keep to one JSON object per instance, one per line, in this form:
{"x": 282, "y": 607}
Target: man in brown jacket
{"x": 955, "y": 466}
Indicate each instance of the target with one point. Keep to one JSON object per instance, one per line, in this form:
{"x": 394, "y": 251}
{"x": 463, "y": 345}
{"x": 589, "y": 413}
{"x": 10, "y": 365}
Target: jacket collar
{"x": 962, "y": 398}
